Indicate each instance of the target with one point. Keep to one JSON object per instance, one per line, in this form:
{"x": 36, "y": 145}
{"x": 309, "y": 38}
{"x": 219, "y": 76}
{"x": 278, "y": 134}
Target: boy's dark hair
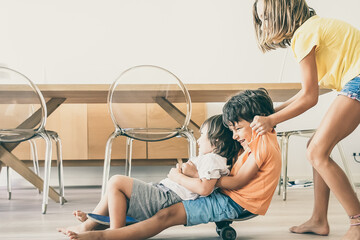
{"x": 221, "y": 138}
{"x": 246, "y": 105}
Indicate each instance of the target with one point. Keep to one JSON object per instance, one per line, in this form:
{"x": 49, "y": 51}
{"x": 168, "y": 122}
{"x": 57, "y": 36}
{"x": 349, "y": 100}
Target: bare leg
{"x": 116, "y": 184}
{"x": 87, "y": 225}
{"x": 119, "y": 190}
{"x": 165, "y": 218}
{"x": 341, "y": 119}
{"x": 318, "y": 223}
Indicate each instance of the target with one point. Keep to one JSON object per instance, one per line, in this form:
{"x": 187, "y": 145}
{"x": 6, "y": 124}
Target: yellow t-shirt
{"x": 257, "y": 194}
{"x": 337, "y": 49}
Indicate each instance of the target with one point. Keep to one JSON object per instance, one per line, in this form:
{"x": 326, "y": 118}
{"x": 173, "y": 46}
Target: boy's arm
{"x": 245, "y": 174}
{"x": 202, "y": 186}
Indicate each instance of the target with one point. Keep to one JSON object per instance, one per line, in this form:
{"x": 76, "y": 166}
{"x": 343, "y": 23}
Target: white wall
{"x": 201, "y": 41}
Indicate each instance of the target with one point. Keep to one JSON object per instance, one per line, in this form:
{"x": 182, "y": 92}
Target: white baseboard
{"x": 92, "y": 176}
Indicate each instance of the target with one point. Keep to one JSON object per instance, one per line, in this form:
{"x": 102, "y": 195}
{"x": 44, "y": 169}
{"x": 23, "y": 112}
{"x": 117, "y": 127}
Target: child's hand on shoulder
{"x": 262, "y": 125}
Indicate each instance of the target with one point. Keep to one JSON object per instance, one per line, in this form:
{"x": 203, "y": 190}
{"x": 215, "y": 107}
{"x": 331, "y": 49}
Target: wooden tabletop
{"x": 97, "y": 93}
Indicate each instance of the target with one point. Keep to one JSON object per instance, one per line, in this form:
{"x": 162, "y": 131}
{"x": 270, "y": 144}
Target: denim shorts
{"x": 352, "y": 89}
{"x": 214, "y": 208}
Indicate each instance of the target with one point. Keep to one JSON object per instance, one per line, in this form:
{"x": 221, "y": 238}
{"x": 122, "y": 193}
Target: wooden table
{"x": 57, "y": 94}
{"x": 97, "y": 93}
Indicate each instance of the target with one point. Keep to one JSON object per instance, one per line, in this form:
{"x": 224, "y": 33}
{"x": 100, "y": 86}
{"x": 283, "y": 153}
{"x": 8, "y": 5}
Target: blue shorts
{"x": 352, "y": 89}
{"x": 214, "y": 208}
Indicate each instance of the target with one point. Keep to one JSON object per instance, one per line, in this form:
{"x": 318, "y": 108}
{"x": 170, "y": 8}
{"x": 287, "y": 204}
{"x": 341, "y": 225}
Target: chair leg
{"x": 60, "y": 168}
{"x": 285, "y": 162}
{"x": 346, "y": 167}
{"x": 47, "y": 171}
{"x": 192, "y": 143}
{"x": 8, "y": 181}
{"x": 107, "y": 161}
{"x": 129, "y": 142}
{"x": 281, "y": 149}
{"x": 34, "y": 154}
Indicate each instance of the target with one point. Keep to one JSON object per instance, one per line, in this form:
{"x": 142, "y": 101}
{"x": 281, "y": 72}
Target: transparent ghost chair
{"x": 151, "y": 85}
{"x": 19, "y": 96}
{"x": 284, "y": 145}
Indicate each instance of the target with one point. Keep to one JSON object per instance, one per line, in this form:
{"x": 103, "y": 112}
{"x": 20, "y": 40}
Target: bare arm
{"x": 306, "y": 98}
{"x": 288, "y": 102}
{"x": 202, "y": 186}
{"x": 245, "y": 174}
{"x": 189, "y": 169}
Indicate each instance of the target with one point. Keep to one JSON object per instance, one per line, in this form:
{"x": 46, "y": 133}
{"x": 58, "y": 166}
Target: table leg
{"x": 174, "y": 112}
{"x": 16, "y": 164}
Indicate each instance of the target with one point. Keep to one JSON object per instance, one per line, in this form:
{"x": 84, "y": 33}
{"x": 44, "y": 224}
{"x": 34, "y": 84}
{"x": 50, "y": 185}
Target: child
{"x": 328, "y": 52}
{"x": 250, "y": 185}
{"x": 140, "y": 200}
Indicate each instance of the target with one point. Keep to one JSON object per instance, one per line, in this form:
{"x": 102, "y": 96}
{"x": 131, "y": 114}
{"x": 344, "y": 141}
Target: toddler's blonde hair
{"x": 283, "y": 18}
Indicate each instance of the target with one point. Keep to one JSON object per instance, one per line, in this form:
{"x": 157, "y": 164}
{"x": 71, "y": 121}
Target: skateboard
{"x": 105, "y": 220}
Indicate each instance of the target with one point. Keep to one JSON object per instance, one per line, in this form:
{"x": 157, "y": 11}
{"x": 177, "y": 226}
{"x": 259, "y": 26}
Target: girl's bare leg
{"x": 318, "y": 223}
{"x": 87, "y": 225}
{"x": 116, "y": 184}
{"x": 165, "y": 218}
{"x": 341, "y": 119}
{"x": 119, "y": 190}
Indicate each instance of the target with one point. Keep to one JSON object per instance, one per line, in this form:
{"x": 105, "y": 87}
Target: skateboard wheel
{"x": 228, "y": 233}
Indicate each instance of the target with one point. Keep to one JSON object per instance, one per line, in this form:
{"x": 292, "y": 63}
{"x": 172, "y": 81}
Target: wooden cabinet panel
{"x": 175, "y": 147}
{"x": 84, "y": 130}
{"x": 13, "y": 115}
{"x": 70, "y": 122}
{"x": 100, "y": 126}
{"x": 22, "y": 151}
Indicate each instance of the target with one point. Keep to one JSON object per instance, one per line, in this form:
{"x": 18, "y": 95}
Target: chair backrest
{"x": 19, "y": 98}
{"x": 140, "y": 101}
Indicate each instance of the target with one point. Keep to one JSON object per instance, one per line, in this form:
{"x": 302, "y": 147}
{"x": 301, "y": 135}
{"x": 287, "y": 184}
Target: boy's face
{"x": 204, "y": 142}
{"x": 242, "y": 132}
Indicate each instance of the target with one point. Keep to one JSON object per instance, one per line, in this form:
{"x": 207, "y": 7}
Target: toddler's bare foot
{"x": 313, "y": 227}
{"x": 80, "y": 215}
{"x": 78, "y": 229}
{"x": 95, "y": 235}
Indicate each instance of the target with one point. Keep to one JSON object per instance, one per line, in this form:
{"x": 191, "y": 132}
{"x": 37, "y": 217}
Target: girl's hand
{"x": 174, "y": 173}
{"x": 189, "y": 169}
{"x": 262, "y": 125}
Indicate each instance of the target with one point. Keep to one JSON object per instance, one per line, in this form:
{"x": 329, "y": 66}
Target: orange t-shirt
{"x": 257, "y": 194}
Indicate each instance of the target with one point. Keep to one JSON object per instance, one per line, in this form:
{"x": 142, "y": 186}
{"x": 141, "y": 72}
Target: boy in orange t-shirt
{"x": 249, "y": 187}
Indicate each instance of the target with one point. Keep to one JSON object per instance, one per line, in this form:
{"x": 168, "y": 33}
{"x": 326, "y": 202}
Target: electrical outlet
{"x": 355, "y": 155}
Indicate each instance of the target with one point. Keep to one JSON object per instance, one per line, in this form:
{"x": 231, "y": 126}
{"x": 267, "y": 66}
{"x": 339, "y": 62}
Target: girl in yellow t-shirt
{"x": 328, "y": 52}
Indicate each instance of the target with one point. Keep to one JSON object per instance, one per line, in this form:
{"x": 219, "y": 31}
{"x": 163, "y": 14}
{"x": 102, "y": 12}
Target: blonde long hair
{"x": 284, "y": 17}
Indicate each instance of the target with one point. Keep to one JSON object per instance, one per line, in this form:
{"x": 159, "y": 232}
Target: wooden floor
{"x": 21, "y": 218}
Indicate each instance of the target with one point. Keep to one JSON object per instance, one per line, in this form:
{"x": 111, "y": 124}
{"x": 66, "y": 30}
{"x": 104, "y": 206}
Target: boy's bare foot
{"x": 80, "y": 215}
{"x": 313, "y": 227}
{"x": 95, "y": 235}
{"x": 352, "y": 233}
